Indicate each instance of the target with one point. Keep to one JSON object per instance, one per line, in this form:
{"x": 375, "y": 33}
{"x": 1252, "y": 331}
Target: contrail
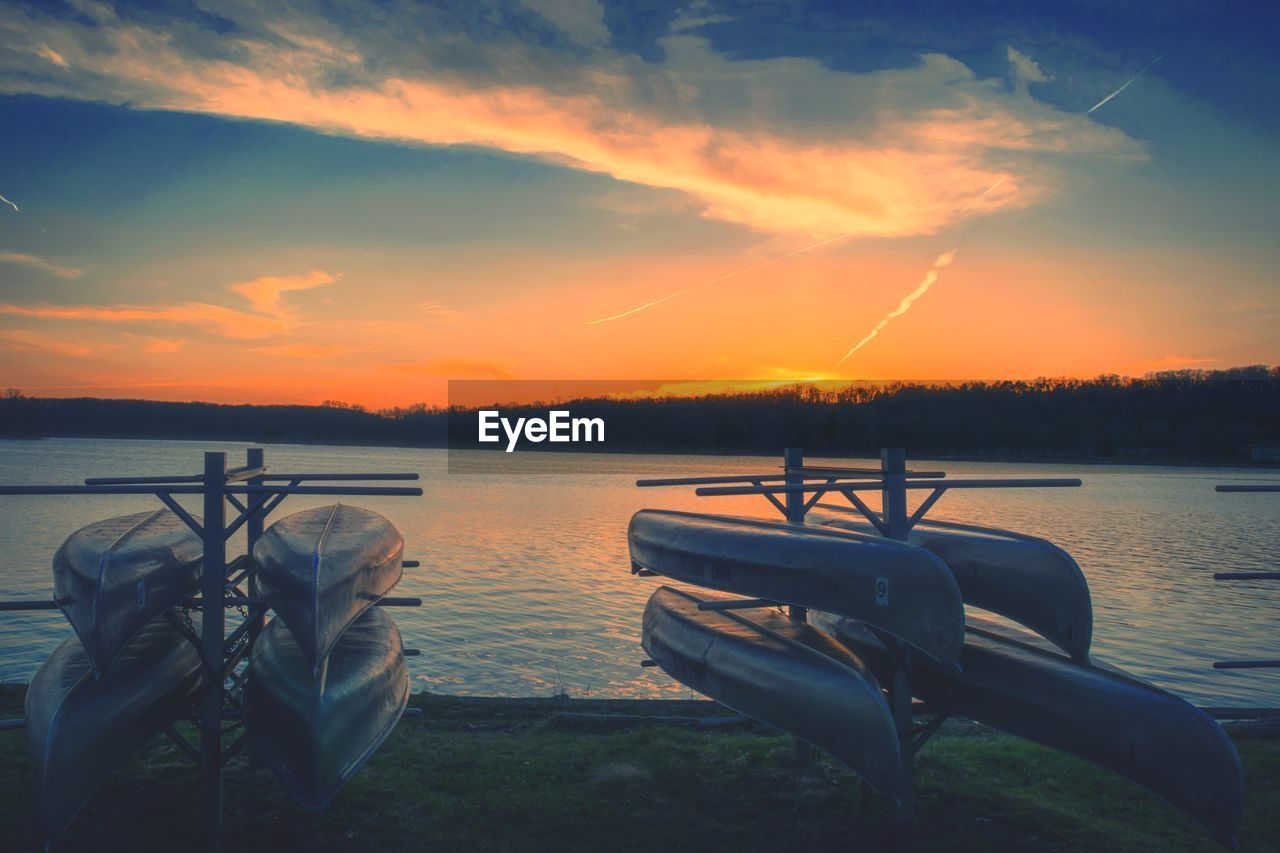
{"x": 742, "y": 271}
{"x": 1125, "y": 86}
{"x": 906, "y": 303}
{"x": 930, "y": 277}
{"x": 904, "y": 306}
{"x": 11, "y": 204}
{"x": 640, "y": 308}
{"x": 985, "y": 193}
{"x": 714, "y": 281}
{"x": 943, "y": 260}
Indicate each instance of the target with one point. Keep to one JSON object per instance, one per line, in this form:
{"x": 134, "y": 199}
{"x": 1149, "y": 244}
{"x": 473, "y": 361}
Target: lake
{"x": 526, "y": 583}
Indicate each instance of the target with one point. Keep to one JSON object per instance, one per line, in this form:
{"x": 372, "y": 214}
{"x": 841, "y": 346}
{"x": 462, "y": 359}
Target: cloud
{"x": 1024, "y": 68}
{"x": 304, "y": 350}
{"x": 52, "y": 55}
{"x": 782, "y": 146}
{"x": 152, "y": 345}
{"x": 438, "y": 313}
{"x": 581, "y": 20}
{"x": 455, "y": 368}
{"x": 264, "y": 291}
{"x": 29, "y": 340}
{"x": 263, "y": 294}
{"x": 224, "y": 321}
{"x": 39, "y": 263}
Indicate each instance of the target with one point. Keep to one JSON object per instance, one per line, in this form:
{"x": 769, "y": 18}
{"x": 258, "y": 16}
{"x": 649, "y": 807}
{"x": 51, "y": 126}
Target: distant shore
{"x": 1194, "y": 419}
{"x": 1011, "y": 458}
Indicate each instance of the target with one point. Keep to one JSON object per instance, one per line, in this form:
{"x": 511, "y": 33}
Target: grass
{"x": 494, "y": 774}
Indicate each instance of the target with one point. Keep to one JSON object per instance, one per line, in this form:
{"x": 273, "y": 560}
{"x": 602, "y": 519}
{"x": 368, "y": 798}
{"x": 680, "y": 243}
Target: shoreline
{"x": 923, "y": 456}
{"x": 637, "y": 709}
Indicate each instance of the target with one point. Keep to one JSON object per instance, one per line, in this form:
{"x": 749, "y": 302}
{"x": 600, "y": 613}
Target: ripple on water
{"x": 527, "y": 586}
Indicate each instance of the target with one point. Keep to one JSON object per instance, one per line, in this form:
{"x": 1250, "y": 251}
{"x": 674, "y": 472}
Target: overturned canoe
{"x": 903, "y": 590}
{"x": 321, "y": 568}
{"x": 80, "y": 728}
{"x": 316, "y": 732}
{"x": 785, "y": 673}
{"x": 1029, "y": 689}
{"x": 1024, "y": 578}
{"x": 114, "y": 576}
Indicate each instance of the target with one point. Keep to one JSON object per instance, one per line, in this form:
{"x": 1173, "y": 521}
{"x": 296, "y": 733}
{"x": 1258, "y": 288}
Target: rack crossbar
{"x": 807, "y": 472}
{"x": 143, "y": 489}
{"x": 807, "y": 488}
{"x": 819, "y": 471}
{"x": 33, "y": 604}
{"x": 243, "y": 473}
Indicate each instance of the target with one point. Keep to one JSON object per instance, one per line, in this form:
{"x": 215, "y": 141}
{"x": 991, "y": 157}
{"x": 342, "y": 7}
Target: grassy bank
{"x": 498, "y": 774}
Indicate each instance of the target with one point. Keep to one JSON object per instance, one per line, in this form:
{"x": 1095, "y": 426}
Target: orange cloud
{"x": 309, "y": 350}
{"x": 435, "y": 312}
{"x": 264, "y": 291}
{"x": 455, "y": 368}
{"x": 891, "y": 153}
{"x": 155, "y": 346}
{"x": 39, "y": 263}
{"x": 224, "y": 321}
{"x": 27, "y": 340}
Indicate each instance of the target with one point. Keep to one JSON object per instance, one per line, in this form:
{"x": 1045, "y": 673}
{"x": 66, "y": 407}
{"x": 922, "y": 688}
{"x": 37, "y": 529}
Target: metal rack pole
{"x": 793, "y": 458}
{"x": 897, "y": 524}
{"x": 253, "y": 529}
{"x": 213, "y": 635}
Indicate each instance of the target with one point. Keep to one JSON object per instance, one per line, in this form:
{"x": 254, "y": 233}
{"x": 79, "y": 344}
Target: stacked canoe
{"x": 127, "y": 674}
{"x": 326, "y": 681}
{"x": 869, "y": 599}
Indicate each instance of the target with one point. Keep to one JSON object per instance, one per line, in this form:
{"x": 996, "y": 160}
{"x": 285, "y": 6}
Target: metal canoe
{"x": 321, "y": 568}
{"x": 1027, "y": 688}
{"x": 80, "y": 728}
{"x": 114, "y": 576}
{"x": 782, "y": 673}
{"x": 316, "y": 732}
{"x": 1024, "y": 578}
{"x": 902, "y": 590}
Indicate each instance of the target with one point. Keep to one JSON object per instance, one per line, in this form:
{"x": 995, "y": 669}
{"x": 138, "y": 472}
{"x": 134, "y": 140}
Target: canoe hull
{"x": 80, "y": 728}
{"x": 904, "y": 591}
{"x": 1100, "y": 714}
{"x": 316, "y": 732}
{"x": 114, "y": 576}
{"x": 320, "y": 569}
{"x": 785, "y": 674}
{"x": 1024, "y": 578}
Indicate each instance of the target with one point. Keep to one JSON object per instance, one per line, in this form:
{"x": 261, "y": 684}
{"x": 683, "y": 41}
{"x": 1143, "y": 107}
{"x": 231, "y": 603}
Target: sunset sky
{"x": 267, "y": 202}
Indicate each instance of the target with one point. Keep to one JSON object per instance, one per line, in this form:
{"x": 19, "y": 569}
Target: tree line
{"x": 1179, "y": 415}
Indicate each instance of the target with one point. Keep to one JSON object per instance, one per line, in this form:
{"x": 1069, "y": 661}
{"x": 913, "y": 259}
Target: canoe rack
{"x": 252, "y": 493}
{"x": 793, "y": 491}
{"x": 1247, "y": 576}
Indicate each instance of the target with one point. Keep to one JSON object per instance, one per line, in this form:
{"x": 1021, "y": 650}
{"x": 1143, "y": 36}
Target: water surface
{"x": 527, "y": 586}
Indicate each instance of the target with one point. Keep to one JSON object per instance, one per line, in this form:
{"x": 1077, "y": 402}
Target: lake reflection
{"x": 527, "y": 586}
